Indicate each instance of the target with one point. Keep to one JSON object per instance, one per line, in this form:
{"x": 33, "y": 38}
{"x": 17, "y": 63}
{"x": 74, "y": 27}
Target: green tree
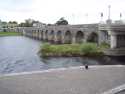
{"x": 22, "y": 24}
{"x": 28, "y": 23}
{"x": 14, "y": 22}
{"x": 62, "y": 21}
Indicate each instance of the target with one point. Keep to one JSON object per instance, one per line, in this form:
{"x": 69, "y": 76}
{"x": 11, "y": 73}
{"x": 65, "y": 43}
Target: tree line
{"x": 30, "y": 22}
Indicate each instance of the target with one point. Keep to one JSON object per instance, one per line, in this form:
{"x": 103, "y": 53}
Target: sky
{"x": 49, "y": 11}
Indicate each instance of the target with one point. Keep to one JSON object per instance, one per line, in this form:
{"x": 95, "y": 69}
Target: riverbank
{"x": 69, "y": 50}
{"x": 77, "y": 80}
{"x": 10, "y": 34}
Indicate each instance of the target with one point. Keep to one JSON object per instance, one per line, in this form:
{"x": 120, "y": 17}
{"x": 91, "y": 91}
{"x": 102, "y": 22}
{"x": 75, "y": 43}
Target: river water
{"x": 20, "y": 54}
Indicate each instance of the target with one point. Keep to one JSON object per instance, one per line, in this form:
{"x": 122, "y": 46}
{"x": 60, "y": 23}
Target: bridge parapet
{"x": 120, "y": 27}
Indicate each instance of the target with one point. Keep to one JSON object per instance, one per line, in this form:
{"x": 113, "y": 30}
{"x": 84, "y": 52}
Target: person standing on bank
{"x": 86, "y": 66}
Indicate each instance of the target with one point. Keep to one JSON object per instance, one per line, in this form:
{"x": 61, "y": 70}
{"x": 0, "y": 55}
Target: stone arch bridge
{"x": 64, "y": 33}
{"x": 113, "y": 34}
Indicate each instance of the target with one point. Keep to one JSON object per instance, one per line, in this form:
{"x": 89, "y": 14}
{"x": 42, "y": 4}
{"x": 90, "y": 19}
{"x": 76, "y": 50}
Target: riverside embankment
{"x": 77, "y": 80}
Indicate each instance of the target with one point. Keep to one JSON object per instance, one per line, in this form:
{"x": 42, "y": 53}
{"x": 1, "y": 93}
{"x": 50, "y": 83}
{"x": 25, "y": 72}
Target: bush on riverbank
{"x": 9, "y": 33}
{"x": 104, "y": 46}
{"x": 85, "y": 49}
{"x": 89, "y": 49}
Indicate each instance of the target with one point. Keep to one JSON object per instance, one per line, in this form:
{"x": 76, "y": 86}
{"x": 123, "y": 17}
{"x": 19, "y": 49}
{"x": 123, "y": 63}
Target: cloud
{"x": 16, "y": 6}
{"x": 16, "y": 9}
{"x": 49, "y": 11}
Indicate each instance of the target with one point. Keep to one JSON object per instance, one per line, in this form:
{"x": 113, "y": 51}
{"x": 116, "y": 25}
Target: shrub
{"x": 89, "y": 48}
{"x": 104, "y": 46}
{"x": 45, "y": 48}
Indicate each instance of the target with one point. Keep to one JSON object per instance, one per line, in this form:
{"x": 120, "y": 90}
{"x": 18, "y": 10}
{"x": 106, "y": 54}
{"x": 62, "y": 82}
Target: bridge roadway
{"x": 77, "y": 80}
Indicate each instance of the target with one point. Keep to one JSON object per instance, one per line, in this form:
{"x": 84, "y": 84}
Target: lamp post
{"x": 120, "y": 16}
{"x": 109, "y": 8}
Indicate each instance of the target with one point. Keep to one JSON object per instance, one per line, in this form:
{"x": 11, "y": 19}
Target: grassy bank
{"x": 9, "y": 33}
{"x": 85, "y": 49}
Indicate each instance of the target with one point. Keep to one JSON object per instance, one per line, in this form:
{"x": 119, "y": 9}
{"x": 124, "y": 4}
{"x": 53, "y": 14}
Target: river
{"x": 20, "y": 54}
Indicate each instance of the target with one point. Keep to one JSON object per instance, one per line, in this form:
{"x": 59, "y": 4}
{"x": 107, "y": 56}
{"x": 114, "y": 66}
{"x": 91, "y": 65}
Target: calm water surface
{"x": 19, "y": 54}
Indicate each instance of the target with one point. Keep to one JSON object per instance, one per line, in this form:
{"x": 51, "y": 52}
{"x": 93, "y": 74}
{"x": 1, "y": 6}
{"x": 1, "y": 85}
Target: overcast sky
{"x": 49, "y": 11}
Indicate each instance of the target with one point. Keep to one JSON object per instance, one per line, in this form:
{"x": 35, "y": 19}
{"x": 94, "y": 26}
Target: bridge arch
{"x": 38, "y": 33}
{"x": 34, "y": 35}
{"x": 79, "y": 37}
{"x": 59, "y": 37}
{"x": 52, "y": 36}
{"x": 67, "y": 37}
{"x": 46, "y": 35}
{"x": 41, "y": 34}
{"x": 92, "y": 37}
{"x": 104, "y": 36}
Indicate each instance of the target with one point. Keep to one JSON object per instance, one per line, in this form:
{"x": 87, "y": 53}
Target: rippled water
{"x": 19, "y": 54}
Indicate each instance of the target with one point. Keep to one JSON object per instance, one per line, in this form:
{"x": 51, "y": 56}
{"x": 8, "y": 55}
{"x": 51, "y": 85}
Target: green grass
{"x": 9, "y": 33}
{"x": 85, "y": 49}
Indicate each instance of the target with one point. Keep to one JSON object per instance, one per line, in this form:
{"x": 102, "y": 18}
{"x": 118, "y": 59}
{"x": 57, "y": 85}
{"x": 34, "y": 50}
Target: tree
{"x": 62, "y": 21}
{"x": 12, "y": 22}
{"x": 4, "y": 23}
{"x": 27, "y": 23}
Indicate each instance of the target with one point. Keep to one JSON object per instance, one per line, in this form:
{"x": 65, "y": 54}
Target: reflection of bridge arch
{"x": 68, "y": 37}
{"x": 52, "y": 36}
{"x": 79, "y": 37}
{"x": 93, "y": 37}
{"x": 59, "y": 37}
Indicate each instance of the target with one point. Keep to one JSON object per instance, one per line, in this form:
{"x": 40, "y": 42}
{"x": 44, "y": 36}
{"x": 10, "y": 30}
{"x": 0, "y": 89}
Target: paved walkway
{"x": 64, "y": 81}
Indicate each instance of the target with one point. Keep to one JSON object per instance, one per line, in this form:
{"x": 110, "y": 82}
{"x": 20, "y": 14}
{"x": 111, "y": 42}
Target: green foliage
{"x": 89, "y": 48}
{"x": 4, "y": 23}
{"x": 9, "y": 33}
{"x": 28, "y": 23}
{"x": 104, "y": 46}
{"x": 86, "y": 49}
{"x": 62, "y": 21}
{"x": 13, "y": 22}
{"x": 45, "y": 47}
